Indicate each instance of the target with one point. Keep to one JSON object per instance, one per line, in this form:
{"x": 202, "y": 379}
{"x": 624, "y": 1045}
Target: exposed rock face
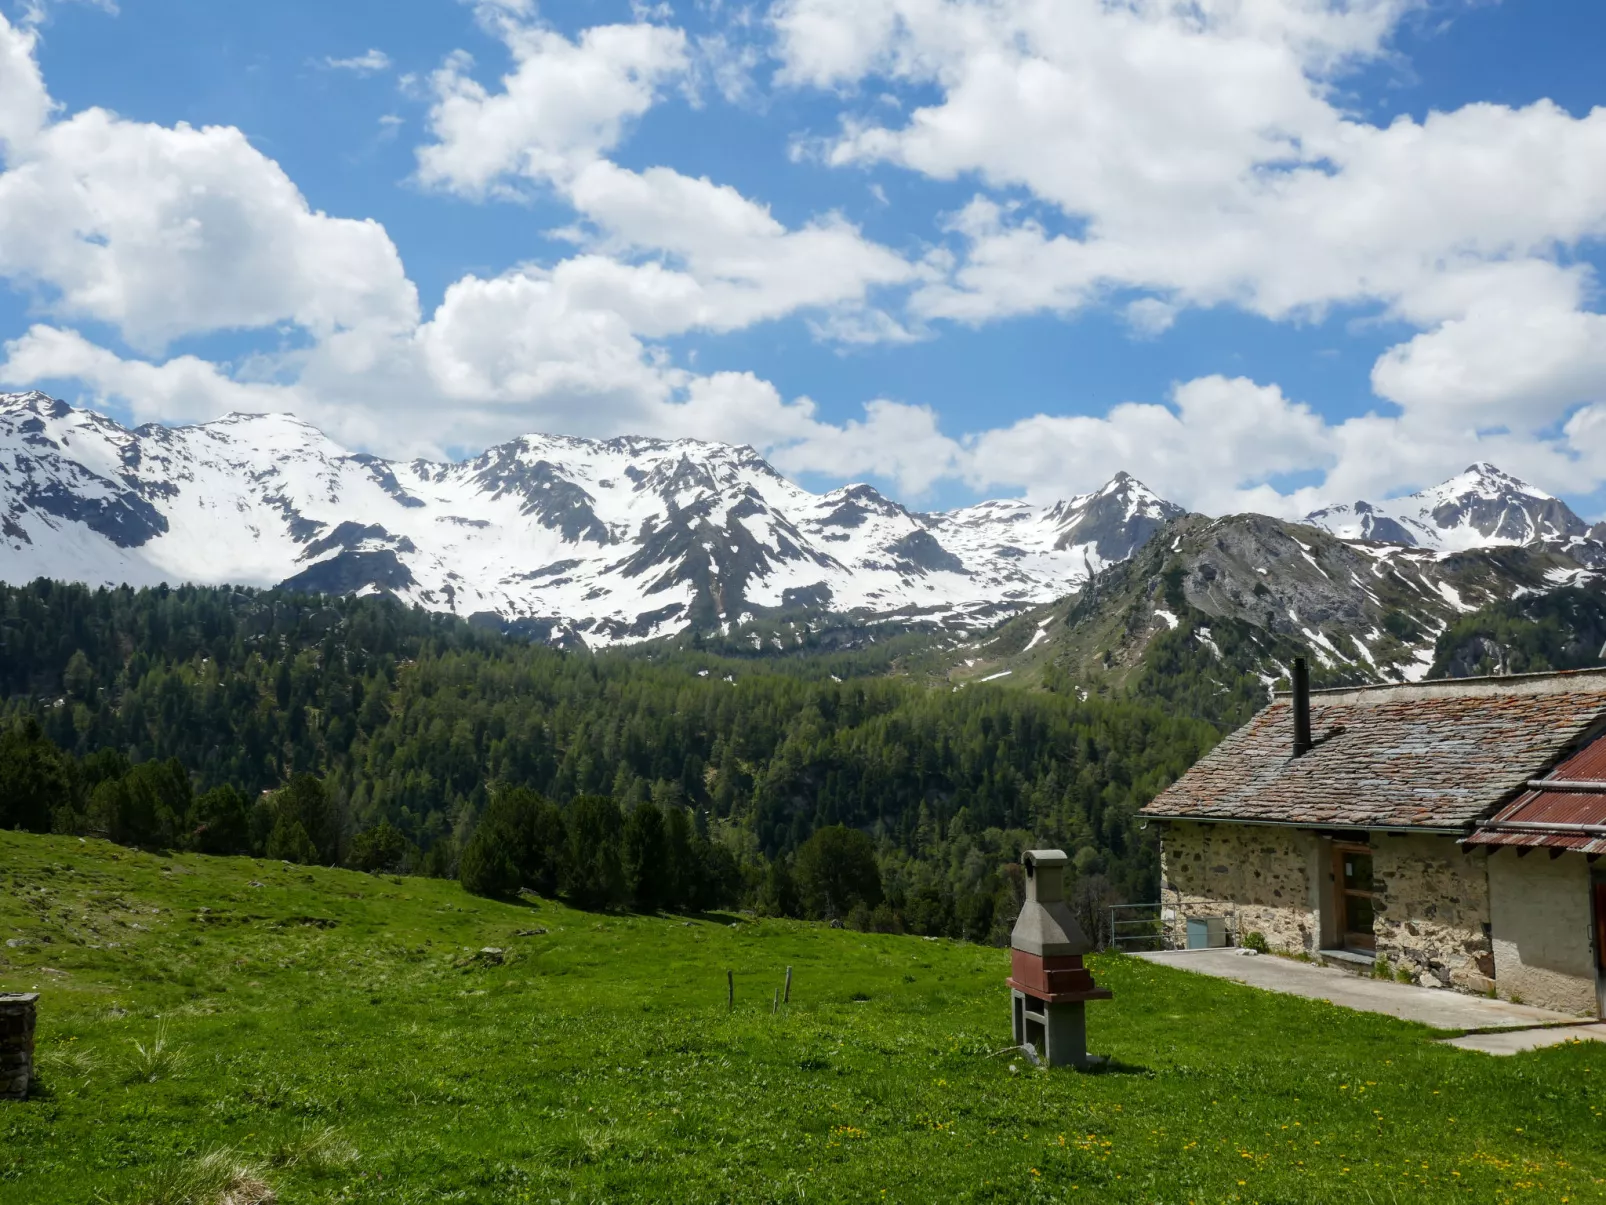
{"x": 588, "y": 541}
{"x": 1114, "y": 522}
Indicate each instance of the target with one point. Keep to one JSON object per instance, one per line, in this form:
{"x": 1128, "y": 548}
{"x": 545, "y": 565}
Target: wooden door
{"x": 1352, "y": 892}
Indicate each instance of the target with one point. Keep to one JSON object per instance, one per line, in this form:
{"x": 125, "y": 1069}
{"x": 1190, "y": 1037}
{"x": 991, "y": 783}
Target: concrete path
{"x": 1515, "y": 1041}
{"x": 1431, "y": 1006}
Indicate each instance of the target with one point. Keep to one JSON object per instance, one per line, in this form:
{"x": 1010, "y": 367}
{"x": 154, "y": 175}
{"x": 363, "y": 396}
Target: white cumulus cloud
{"x": 1151, "y": 156}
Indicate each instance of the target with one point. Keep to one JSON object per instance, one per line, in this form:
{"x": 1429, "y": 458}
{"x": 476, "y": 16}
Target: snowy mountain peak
{"x": 598, "y": 540}
{"x": 1476, "y": 508}
{"x": 1113, "y": 521}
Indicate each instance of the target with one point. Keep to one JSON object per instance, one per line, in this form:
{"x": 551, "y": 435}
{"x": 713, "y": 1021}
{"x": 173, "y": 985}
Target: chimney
{"x": 1301, "y": 707}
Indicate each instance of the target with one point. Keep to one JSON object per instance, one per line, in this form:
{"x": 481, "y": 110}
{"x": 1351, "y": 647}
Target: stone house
{"x": 1449, "y": 832}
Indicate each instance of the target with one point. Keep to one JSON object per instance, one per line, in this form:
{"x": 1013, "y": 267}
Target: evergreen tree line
{"x": 415, "y": 727}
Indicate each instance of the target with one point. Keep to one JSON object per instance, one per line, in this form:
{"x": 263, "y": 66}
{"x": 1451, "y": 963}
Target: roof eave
{"x": 1448, "y": 830}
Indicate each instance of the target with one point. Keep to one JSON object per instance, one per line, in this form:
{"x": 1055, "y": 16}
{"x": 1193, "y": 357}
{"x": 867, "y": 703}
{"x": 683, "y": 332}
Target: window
{"x": 1352, "y": 887}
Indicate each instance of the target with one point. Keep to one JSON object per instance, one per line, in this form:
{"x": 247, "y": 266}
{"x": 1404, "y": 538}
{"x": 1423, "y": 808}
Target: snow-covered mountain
{"x": 1478, "y": 508}
{"x": 605, "y": 541}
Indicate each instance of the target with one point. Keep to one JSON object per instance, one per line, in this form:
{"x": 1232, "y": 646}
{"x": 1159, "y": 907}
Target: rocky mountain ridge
{"x": 571, "y": 540}
{"x": 1210, "y": 614}
{"x": 599, "y": 543}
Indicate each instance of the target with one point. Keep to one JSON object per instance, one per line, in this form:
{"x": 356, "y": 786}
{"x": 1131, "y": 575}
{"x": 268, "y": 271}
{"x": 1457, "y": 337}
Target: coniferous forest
{"x": 358, "y": 731}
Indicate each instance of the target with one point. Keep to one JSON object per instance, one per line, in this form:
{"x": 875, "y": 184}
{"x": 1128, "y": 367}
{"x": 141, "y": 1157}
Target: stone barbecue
{"x": 1049, "y": 986}
{"x": 17, "y": 1014}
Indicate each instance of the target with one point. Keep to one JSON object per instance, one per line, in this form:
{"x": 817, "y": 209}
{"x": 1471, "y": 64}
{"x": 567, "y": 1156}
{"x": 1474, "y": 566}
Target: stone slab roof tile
{"x": 1428, "y": 755}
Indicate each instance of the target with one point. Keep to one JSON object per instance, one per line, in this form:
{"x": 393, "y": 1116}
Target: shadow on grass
{"x": 1114, "y": 1066}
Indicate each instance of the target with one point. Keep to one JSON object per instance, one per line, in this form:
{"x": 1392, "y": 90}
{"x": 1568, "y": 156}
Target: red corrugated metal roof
{"x": 1587, "y": 765}
{"x": 1566, "y": 810}
{"x": 1568, "y": 841}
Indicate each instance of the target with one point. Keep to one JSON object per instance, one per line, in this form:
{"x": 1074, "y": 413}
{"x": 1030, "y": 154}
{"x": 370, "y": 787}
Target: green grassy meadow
{"x": 342, "y": 1036}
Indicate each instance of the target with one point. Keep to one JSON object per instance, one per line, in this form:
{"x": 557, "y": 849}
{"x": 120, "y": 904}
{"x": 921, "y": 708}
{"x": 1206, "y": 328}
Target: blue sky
{"x": 1260, "y": 254}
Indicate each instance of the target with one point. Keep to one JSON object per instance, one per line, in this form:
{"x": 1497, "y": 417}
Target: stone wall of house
{"x": 1432, "y": 909}
{"x": 1261, "y": 878}
{"x": 1540, "y": 909}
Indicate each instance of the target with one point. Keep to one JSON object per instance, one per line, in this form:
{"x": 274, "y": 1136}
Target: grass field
{"x": 341, "y": 1037}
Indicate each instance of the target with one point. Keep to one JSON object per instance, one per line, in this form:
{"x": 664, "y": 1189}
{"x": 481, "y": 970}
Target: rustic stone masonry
{"x": 17, "y": 1013}
{"x": 1258, "y": 877}
{"x": 1431, "y": 919}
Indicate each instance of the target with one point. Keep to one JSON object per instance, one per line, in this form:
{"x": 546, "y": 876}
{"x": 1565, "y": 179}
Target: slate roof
{"x": 1431, "y": 755}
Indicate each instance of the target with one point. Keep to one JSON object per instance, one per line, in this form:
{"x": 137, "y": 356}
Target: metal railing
{"x": 1136, "y": 927}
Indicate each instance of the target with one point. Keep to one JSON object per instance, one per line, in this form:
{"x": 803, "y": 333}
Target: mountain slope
{"x": 571, "y": 540}
{"x": 1210, "y": 613}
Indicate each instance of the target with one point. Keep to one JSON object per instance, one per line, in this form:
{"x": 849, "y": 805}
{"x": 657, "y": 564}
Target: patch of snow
{"x": 1326, "y": 652}
{"x": 995, "y": 677}
{"x": 1419, "y": 669}
{"x": 1453, "y": 597}
{"x": 1171, "y": 620}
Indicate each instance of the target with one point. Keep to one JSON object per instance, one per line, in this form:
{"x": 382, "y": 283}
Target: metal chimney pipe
{"x": 1301, "y": 707}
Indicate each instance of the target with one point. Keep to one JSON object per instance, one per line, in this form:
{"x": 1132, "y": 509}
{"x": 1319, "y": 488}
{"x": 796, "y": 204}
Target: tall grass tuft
{"x": 314, "y": 1148}
{"x": 66, "y": 1062}
{"x": 160, "y": 1060}
{"x": 215, "y": 1178}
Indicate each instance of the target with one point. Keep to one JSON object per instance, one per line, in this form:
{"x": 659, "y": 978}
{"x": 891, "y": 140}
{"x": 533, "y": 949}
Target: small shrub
{"x": 1402, "y": 974}
{"x": 1382, "y": 970}
{"x": 1256, "y": 940}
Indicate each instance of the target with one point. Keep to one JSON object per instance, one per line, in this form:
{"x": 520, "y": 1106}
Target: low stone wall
{"x": 17, "y": 1015}
{"x": 1541, "y": 915}
{"x": 1432, "y": 908}
{"x": 1259, "y": 877}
